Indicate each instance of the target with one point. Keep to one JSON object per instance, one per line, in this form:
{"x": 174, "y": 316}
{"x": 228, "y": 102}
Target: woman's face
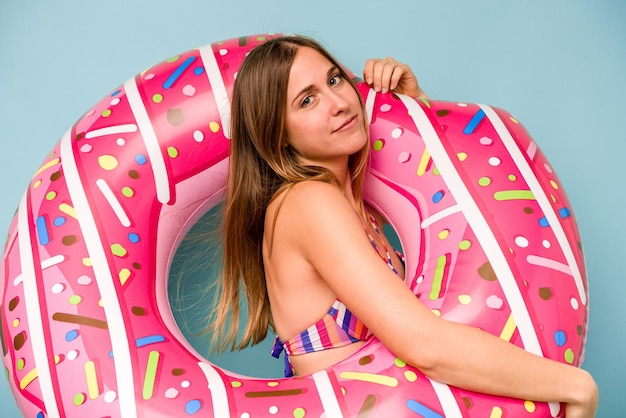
{"x": 324, "y": 118}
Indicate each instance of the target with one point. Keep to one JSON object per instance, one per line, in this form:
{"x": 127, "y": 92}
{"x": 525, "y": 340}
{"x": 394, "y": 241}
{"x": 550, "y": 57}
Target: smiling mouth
{"x": 347, "y": 123}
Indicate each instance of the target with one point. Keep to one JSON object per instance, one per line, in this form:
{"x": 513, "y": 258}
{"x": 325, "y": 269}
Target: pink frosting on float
{"x": 487, "y": 230}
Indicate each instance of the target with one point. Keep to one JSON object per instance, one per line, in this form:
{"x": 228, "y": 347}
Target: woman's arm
{"x": 331, "y": 238}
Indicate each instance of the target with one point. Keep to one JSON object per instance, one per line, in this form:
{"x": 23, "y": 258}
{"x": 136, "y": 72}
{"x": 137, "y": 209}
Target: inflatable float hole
{"x": 190, "y": 289}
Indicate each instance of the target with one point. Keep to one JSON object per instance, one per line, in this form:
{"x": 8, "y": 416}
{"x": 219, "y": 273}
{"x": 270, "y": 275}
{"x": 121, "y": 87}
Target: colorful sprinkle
{"x": 150, "y": 376}
{"x": 71, "y": 335}
{"x": 494, "y": 302}
{"x": 107, "y": 162}
{"x": 79, "y": 399}
{"x": 171, "y": 80}
{"x": 189, "y": 90}
{"x": 172, "y": 152}
{"x": 150, "y": 339}
{"x": 422, "y": 409}
{"x": 141, "y": 159}
{"x": 560, "y": 338}
{"x": 214, "y": 127}
{"x": 514, "y": 195}
{"x": 438, "y": 196}
{"x": 474, "y": 122}
{"x": 370, "y": 378}
{"x": 42, "y": 230}
{"x": 530, "y": 406}
{"x": 118, "y": 250}
{"x": 193, "y": 406}
{"x": 440, "y": 272}
{"x": 92, "y": 380}
{"x": 198, "y": 136}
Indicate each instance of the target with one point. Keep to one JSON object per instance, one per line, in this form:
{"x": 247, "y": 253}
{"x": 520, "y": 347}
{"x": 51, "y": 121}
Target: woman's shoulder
{"x": 309, "y": 202}
{"x": 306, "y": 193}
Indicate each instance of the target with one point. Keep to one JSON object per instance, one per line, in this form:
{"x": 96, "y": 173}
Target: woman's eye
{"x": 306, "y": 101}
{"x": 334, "y": 80}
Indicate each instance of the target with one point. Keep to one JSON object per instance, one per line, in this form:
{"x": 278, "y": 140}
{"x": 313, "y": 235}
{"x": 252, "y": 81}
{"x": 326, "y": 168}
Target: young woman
{"x": 302, "y": 243}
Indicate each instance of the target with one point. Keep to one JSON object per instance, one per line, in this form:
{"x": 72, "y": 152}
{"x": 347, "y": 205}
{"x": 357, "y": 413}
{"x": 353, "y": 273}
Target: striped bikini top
{"x": 339, "y": 327}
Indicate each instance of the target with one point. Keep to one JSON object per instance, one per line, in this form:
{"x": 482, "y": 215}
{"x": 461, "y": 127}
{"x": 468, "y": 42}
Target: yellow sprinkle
{"x": 513, "y": 119}
{"x": 509, "y": 328}
{"x": 27, "y": 380}
{"x": 68, "y": 210}
{"x": 107, "y": 162}
{"x": 370, "y": 378}
{"x": 496, "y": 412}
{"x": 92, "y": 380}
{"x": 462, "y": 156}
{"x": 554, "y": 185}
{"x": 410, "y": 375}
{"x": 124, "y": 276}
{"x": 214, "y": 127}
{"x": 423, "y": 164}
{"x": 16, "y": 323}
{"x": 235, "y": 384}
{"x": 530, "y": 406}
{"x": 47, "y": 165}
{"x": 272, "y": 384}
{"x": 437, "y": 312}
{"x": 465, "y": 299}
{"x": 87, "y": 262}
{"x": 444, "y": 234}
{"x": 36, "y": 183}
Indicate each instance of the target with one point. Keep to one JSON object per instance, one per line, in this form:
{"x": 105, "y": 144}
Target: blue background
{"x": 558, "y": 66}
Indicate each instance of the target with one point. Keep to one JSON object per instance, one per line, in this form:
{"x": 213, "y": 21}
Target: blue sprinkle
{"x": 71, "y": 335}
{"x": 473, "y": 123}
{"x": 40, "y": 415}
{"x": 115, "y": 93}
{"x": 543, "y": 222}
{"x": 438, "y": 196}
{"x": 134, "y": 238}
{"x": 150, "y": 339}
{"x": 198, "y": 70}
{"x": 422, "y": 410}
{"x": 59, "y": 221}
{"x": 193, "y": 406}
{"x": 42, "y": 230}
{"x": 560, "y": 338}
{"x": 564, "y": 212}
{"x": 141, "y": 159}
{"x": 171, "y": 80}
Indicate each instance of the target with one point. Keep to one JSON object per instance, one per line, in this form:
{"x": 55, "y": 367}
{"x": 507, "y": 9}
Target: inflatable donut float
{"x": 488, "y": 233}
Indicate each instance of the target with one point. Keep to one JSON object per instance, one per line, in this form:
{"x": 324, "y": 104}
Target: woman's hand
{"x": 387, "y": 74}
{"x": 587, "y": 399}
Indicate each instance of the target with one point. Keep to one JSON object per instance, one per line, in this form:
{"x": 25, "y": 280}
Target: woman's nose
{"x": 339, "y": 102}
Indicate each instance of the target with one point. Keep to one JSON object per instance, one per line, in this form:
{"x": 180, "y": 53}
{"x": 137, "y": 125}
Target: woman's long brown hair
{"x": 261, "y": 166}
